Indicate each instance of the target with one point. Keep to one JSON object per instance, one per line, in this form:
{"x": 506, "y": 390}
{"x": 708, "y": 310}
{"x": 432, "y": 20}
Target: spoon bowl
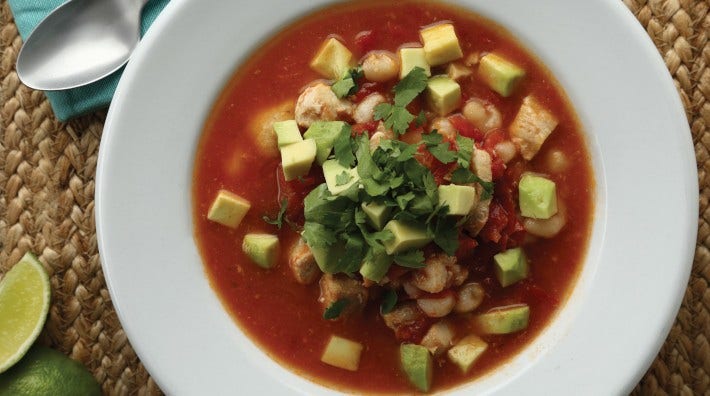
{"x": 80, "y": 42}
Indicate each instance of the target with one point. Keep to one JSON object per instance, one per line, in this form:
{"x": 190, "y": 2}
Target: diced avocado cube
{"x": 440, "y": 44}
{"x": 503, "y": 320}
{"x": 287, "y": 132}
{"x": 335, "y": 173}
{"x": 406, "y": 236}
{"x": 500, "y": 74}
{"x": 327, "y": 257}
{"x": 297, "y": 158}
{"x": 342, "y": 353}
{"x": 375, "y": 266}
{"x": 228, "y": 209}
{"x": 262, "y": 249}
{"x": 333, "y": 59}
{"x": 460, "y": 199}
{"x": 409, "y": 58}
{"x": 324, "y": 133}
{"x": 511, "y": 266}
{"x": 443, "y": 94}
{"x": 467, "y": 351}
{"x": 377, "y": 214}
{"x": 537, "y": 196}
{"x": 417, "y": 364}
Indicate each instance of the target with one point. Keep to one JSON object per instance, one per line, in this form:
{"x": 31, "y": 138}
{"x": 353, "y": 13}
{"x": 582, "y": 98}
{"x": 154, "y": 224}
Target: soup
{"x": 392, "y": 197}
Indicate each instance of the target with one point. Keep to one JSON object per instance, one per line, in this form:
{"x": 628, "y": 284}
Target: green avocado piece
{"x": 332, "y": 170}
{"x": 409, "y": 58}
{"x": 467, "y": 351}
{"x": 297, "y": 158}
{"x": 376, "y": 213}
{"x": 511, "y": 266}
{"x": 443, "y": 94}
{"x": 375, "y": 266}
{"x": 417, "y": 364}
{"x": 327, "y": 257}
{"x": 537, "y": 196}
{"x": 324, "y": 133}
{"x": 500, "y": 74}
{"x": 504, "y": 320}
{"x": 287, "y": 132}
{"x": 262, "y": 249}
{"x": 406, "y": 236}
{"x": 460, "y": 199}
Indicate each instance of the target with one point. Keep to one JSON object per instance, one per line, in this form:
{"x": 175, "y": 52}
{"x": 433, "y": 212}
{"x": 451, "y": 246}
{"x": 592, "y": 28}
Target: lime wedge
{"x": 24, "y": 302}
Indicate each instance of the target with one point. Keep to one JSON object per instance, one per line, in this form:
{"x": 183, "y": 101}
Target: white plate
{"x": 645, "y": 222}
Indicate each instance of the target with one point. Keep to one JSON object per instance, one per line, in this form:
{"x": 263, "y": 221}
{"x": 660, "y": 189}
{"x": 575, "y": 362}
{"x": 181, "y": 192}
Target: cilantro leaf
{"x": 396, "y": 117}
{"x": 343, "y": 178}
{"x": 410, "y": 87}
{"x": 343, "y": 147}
{"x": 465, "y": 151}
{"x": 317, "y": 235}
{"x": 278, "y": 221}
{"x": 389, "y": 300}
{"x": 421, "y": 119}
{"x": 465, "y": 176}
{"x": 410, "y": 259}
{"x": 347, "y": 84}
{"x": 445, "y": 233}
{"x": 440, "y": 149}
{"x": 335, "y": 309}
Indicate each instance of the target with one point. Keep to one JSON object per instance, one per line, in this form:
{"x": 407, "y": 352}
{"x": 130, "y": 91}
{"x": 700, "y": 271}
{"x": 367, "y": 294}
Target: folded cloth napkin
{"x": 73, "y": 102}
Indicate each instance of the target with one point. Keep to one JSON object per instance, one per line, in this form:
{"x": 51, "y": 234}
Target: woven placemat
{"x": 47, "y": 171}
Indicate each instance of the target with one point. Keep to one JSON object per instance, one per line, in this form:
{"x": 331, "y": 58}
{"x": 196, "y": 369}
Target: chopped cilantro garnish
{"x": 465, "y": 176}
{"x": 465, "y": 151}
{"x": 440, "y": 149}
{"x": 343, "y": 147}
{"x": 347, "y": 84}
{"x": 343, "y": 178}
{"x": 278, "y": 221}
{"x": 335, "y": 309}
{"x": 421, "y": 119}
{"x": 410, "y": 259}
{"x": 396, "y": 116}
{"x": 389, "y": 300}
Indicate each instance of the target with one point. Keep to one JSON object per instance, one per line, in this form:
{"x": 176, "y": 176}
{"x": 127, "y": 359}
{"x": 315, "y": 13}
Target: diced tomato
{"x": 395, "y": 272}
{"x": 493, "y": 138}
{"x": 365, "y": 41}
{"x": 504, "y": 227}
{"x": 295, "y": 191}
{"x": 466, "y": 247}
{"x": 365, "y": 89}
{"x": 413, "y": 331}
{"x": 465, "y": 128}
{"x": 497, "y": 167}
{"x": 364, "y": 128}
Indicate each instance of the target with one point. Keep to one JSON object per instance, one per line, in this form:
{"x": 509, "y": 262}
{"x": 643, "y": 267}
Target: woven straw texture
{"x": 47, "y": 171}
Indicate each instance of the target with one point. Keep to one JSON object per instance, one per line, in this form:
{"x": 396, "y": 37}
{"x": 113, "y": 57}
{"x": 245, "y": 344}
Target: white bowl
{"x": 641, "y": 248}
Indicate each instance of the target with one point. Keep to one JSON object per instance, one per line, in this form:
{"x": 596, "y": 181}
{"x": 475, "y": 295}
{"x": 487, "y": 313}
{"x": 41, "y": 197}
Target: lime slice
{"x": 24, "y": 302}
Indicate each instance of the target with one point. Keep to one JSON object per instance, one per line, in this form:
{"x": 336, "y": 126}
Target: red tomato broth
{"x": 284, "y": 318}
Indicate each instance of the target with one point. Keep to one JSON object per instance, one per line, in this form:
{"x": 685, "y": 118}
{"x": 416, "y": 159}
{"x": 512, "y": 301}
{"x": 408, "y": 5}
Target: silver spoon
{"x": 80, "y": 42}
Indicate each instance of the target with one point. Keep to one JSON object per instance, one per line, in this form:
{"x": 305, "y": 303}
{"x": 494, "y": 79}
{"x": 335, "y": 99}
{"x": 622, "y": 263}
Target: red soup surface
{"x": 237, "y": 153}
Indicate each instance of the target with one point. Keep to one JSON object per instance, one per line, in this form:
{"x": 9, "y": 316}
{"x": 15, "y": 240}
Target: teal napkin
{"x": 73, "y": 102}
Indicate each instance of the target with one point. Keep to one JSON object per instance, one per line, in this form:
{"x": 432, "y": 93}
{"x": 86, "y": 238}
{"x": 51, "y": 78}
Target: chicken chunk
{"x": 339, "y": 287}
{"x": 407, "y": 321}
{"x": 531, "y": 126}
{"x": 365, "y": 110}
{"x": 380, "y": 134}
{"x": 444, "y": 127}
{"x": 441, "y": 272}
{"x": 262, "y": 127}
{"x": 302, "y": 263}
{"x": 319, "y": 103}
{"x": 481, "y": 166}
{"x": 439, "y": 338}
